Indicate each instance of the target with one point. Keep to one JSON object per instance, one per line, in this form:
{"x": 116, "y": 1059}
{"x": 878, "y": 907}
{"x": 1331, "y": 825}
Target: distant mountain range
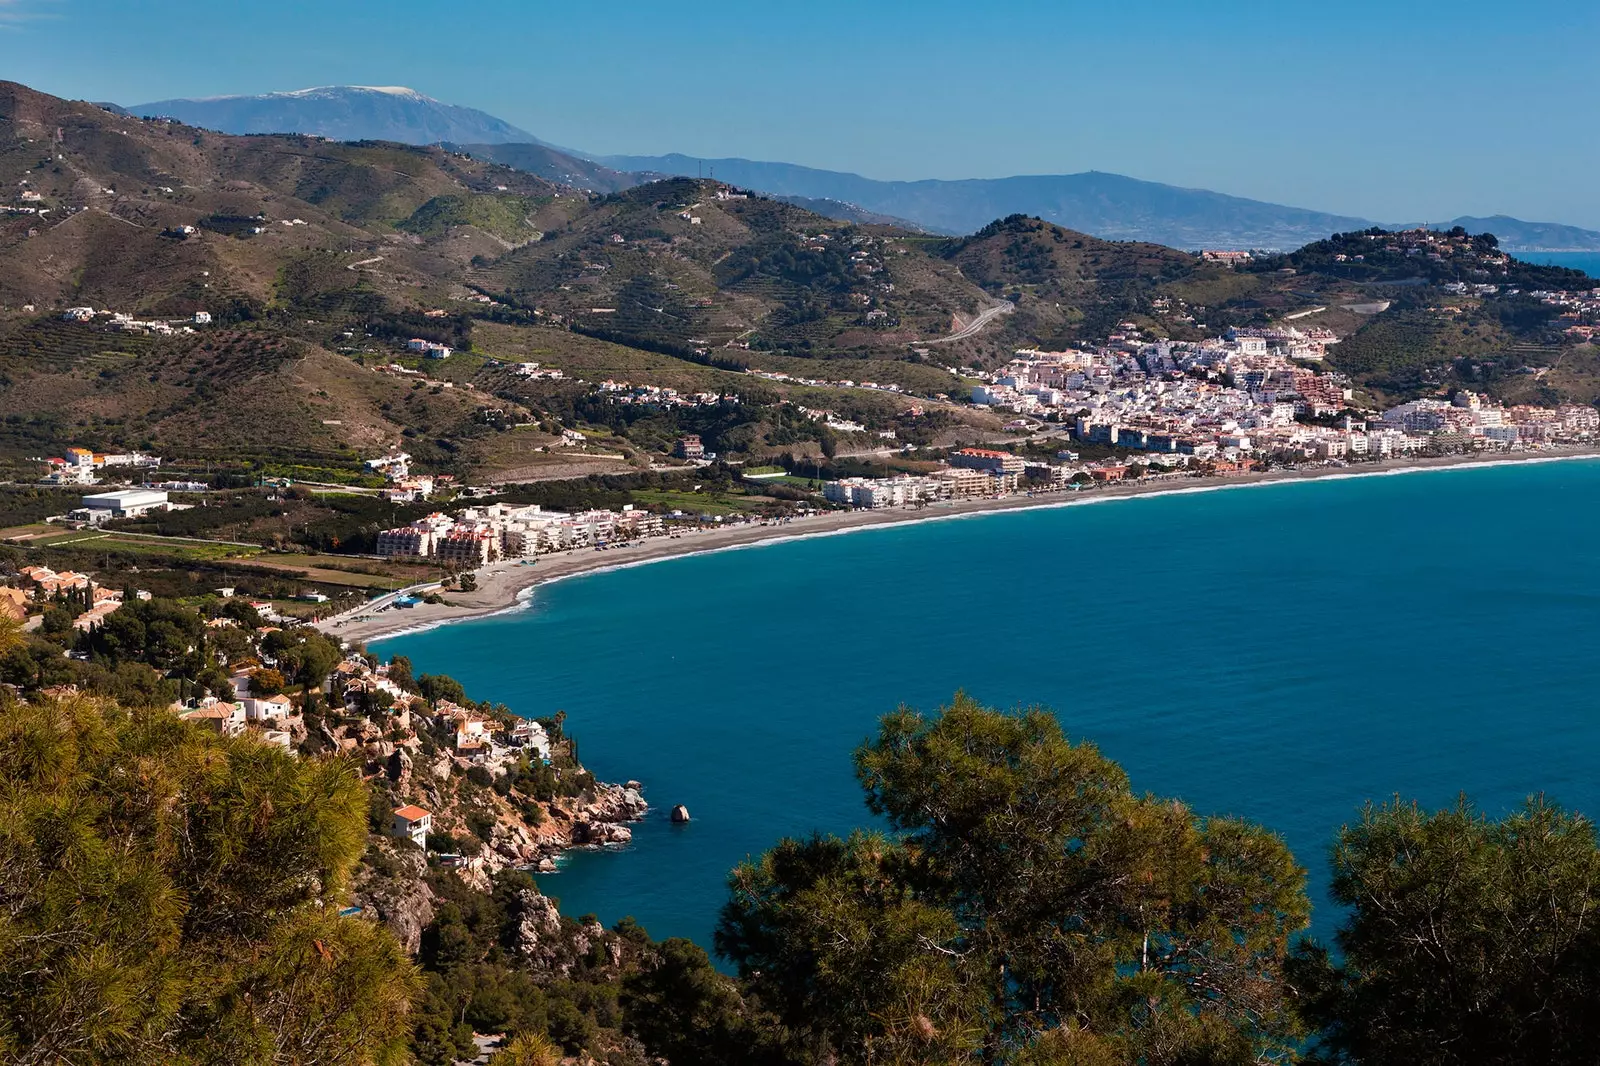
{"x": 343, "y": 113}
{"x": 1107, "y": 205}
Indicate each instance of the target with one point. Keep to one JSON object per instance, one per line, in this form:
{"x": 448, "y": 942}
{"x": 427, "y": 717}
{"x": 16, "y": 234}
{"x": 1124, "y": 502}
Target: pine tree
{"x": 167, "y": 895}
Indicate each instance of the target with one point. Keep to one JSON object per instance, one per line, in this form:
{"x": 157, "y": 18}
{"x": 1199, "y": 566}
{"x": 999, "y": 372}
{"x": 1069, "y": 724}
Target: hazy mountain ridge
{"x": 343, "y": 113}
{"x": 1110, "y": 206}
{"x": 1520, "y": 236}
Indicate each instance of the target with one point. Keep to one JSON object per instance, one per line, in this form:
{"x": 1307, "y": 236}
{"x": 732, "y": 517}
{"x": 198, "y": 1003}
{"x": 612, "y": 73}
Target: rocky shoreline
{"x": 391, "y": 885}
{"x": 468, "y": 788}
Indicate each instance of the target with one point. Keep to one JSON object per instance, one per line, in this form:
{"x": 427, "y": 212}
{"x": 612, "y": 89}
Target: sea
{"x": 1284, "y": 652}
{"x": 1588, "y": 262}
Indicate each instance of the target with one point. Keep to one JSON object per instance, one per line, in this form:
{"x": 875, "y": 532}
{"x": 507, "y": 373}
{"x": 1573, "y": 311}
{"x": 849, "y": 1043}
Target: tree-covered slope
{"x": 170, "y": 896}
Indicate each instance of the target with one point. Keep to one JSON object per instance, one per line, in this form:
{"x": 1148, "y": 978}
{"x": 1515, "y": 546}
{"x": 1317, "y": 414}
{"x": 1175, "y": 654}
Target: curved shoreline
{"x": 508, "y": 586}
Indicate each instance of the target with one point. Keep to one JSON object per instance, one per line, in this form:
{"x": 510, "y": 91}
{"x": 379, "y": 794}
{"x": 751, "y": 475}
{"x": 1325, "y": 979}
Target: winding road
{"x": 987, "y": 315}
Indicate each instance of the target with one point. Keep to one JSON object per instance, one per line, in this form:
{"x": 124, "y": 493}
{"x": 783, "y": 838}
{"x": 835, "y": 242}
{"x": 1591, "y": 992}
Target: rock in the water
{"x": 680, "y": 814}
{"x": 601, "y": 834}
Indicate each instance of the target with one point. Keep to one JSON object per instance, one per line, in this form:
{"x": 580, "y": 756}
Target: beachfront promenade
{"x": 501, "y": 586}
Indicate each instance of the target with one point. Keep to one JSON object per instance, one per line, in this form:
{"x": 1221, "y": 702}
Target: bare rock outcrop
{"x": 391, "y": 885}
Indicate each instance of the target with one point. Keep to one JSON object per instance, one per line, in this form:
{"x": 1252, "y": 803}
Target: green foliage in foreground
{"x": 1468, "y": 940}
{"x": 167, "y": 896}
{"x": 1030, "y": 908}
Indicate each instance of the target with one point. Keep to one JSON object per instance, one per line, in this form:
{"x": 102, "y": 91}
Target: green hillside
{"x": 318, "y": 261}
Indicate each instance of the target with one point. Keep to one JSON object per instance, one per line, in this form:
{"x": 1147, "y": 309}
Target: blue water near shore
{"x": 1282, "y": 652}
{"x": 1588, "y": 262}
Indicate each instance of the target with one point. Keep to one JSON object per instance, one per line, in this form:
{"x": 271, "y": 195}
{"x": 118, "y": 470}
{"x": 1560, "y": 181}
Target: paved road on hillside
{"x": 1046, "y": 432}
{"x": 987, "y": 315}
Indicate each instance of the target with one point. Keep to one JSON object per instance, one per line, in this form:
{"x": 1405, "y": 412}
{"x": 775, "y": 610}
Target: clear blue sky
{"x": 1398, "y": 110}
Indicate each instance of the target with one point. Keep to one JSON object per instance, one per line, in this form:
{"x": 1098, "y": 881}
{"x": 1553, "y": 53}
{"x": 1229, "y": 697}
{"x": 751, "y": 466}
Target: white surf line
{"x": 525, "y": 596}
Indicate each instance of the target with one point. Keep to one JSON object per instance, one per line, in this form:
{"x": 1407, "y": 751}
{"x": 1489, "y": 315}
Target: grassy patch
{"x": 506, "y": 217}
{"x": 137, "y": 544}
{"x": 712, "y": 503}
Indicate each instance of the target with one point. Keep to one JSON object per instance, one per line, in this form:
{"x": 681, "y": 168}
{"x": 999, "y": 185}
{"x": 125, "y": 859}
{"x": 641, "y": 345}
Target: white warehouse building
{"x": 124, "y": 503}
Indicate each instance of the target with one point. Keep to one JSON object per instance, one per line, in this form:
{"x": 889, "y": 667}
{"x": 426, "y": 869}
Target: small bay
{"x": 1283, "y": 653}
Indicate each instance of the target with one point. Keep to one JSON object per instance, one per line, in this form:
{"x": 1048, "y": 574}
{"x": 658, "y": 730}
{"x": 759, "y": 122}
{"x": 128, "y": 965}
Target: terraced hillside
{"x": 317, "y": 261}
{"x": 117, "y": 193}
{"x": 683, "y": 264}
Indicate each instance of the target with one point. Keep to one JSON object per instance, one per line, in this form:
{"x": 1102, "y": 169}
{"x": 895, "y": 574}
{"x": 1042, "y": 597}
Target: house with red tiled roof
{"x": 412, "y": 823}
{"x": 224, "y": 719}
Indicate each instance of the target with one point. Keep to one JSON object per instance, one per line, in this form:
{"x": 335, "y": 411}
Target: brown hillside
{"x": 111, "y": 187}
{"x": 1068, "y": 286}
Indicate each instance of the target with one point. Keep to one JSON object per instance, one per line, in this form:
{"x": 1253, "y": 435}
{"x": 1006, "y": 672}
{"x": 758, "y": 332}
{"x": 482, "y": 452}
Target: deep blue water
{"x": 1283, "y": 653}
{"x": 1588, "y": 262}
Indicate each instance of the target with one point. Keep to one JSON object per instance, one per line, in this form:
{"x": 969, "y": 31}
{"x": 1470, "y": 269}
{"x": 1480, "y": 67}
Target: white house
{"x": 269, "y": 708}
{"x": 470, "y": 727}
{"x": 278, "y": 738}
{"x": 412, "y": 823}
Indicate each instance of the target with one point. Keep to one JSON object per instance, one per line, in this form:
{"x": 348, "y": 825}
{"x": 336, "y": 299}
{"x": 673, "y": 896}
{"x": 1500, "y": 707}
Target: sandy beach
{"x": 504, "y": 586}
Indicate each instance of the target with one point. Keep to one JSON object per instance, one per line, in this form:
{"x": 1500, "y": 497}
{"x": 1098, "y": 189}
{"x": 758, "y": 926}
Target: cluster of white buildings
{"x": 1232, "y": 393}
{"x": 1462, "y": 288}
{"x": 81, "y": 466}
{"x": 824, "y": 383}
{"x": 1247, "y": 394}
{"x": 655, "y": 396}
{"x": 971, "y": 473}
{"x": 535, "y": 372}
{"x": 430, "y": 349}
{"x": 835, "y": 422}
{"x": 483, "y": 741}
{"x": 126, "y": 323}
{"x": 1236, "y": 394}
{"x": 403, "y": 487}
{"x": 481, "y": 535}
{"x": 1579, "y": 311}
{"x": 1468, "y": 417}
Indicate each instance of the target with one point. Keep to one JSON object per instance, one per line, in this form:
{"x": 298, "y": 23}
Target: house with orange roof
{"x": 95, "y": 615}
{"x": 224, "y": 719}
{"x": 412, "y": 823}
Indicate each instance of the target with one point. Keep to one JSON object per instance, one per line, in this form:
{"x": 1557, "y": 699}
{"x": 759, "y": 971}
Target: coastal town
{"x": 1250, "y": 394}
{"x": 347, "y": 719}
{"x": 1242, "y": 403}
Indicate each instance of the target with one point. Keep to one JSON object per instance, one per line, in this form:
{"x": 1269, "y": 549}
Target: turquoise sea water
{"x": 1283, "y": 653}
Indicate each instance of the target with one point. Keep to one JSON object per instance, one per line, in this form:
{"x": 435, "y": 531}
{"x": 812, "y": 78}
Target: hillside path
{"x": 987, "y": 315}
